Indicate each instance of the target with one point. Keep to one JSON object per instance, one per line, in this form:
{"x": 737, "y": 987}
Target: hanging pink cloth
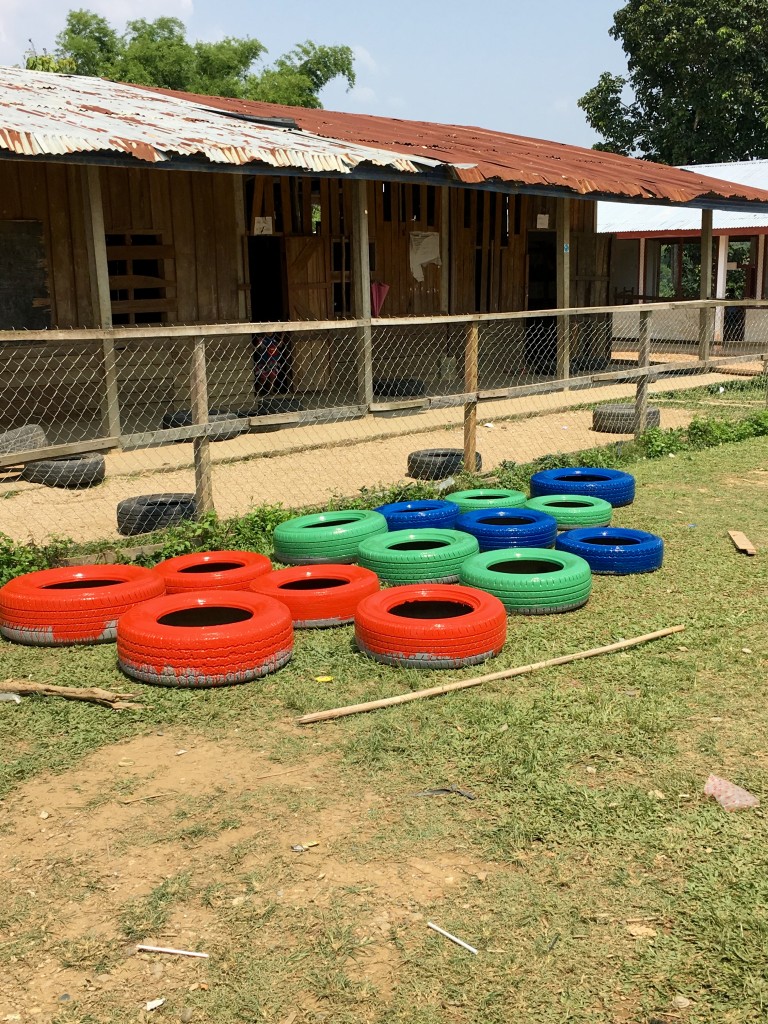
{"x": 379, "y": 292}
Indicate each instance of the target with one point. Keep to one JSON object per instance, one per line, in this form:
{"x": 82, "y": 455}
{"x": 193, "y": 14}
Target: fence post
{"x": 101, "y": 303}
{"x": 563, "y": 288}
{"x": 471, "y": 354}
{"x": 643, "y": 359}
{"x": 361, "y": 291}
{"x": 705, "y": 286}
{"x": 198, "y": 386}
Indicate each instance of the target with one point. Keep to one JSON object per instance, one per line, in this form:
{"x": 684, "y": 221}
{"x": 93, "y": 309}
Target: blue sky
{"x": 518, "y": 67}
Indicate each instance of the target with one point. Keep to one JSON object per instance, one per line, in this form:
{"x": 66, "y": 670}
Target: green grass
{"x": 589, "y": 812}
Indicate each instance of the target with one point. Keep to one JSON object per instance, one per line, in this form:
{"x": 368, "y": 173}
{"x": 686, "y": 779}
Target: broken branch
{"x": 93, "y": 694}
{"x": 437, "y": 691}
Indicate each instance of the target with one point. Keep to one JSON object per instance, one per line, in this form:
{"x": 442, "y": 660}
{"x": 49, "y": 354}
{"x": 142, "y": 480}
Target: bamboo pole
{"x": 437, "y": 691}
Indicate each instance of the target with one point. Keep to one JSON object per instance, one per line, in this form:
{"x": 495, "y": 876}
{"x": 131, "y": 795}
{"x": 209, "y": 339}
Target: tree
{"x": 697, "y": 84}
{"x": 158, "y": 53}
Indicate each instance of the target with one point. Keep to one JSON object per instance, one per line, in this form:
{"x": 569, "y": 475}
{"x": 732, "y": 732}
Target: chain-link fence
{"x": 239, "y": 415}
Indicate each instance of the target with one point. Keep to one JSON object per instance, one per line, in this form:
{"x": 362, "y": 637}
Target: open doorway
{"x": 272, "y": 363}
{"x": 541, "y": 291}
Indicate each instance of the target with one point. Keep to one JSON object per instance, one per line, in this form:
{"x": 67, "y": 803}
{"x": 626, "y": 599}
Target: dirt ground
{"x": 306, "y": 465}
{"x": 84, "y": 852}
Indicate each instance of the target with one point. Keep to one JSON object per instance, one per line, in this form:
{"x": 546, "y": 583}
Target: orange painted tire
{"x": 204, "y": 638}
{"x": 212, "y": 570}
{"x": 319, "y": 595}
{"x": 75, "y": 605}
{"x": 434, "y": 625}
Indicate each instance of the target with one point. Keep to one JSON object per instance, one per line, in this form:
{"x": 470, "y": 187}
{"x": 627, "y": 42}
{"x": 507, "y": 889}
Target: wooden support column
{"x": 445, "y": 250}
{"x": 705, "y": 285}
{"x": 720, "y": 281}
{"x": 361, "y": 291}
{"x": 643, "y": 359}
{"x": 760, "y": 269}
{"x": 198, "y": 386}
{"x": 101, "y": 304}
{"x": 641, "y": 270}
{"x": 563, "y": 288}
{"x": 471, "y": 358}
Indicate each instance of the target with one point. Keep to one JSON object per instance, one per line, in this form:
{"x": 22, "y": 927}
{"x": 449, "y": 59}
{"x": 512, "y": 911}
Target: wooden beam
{"x": 721, "y": 277}
{"x": 742, "y": 542}
{"x": 471, "y": 356}
{"x": 361, "y": 290}
{"x": 445, "y": 250}
{"x": 59, "y": 451}
{"x": 201, "y": 445}
{"x": 644, "y": 360}
{"x": 101, "y": 304}
{"x": 641, "y": 267}
{"x": 563, "y": 287}
{"x": 705, "y": 285}
{"x": 760, "y": 270}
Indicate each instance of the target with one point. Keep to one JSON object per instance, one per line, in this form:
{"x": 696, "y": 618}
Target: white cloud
{"x": 365, "y": 59}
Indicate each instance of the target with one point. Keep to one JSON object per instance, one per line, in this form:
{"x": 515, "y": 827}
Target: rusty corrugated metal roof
{"x": 482, "y": 155}
{"x": 42, "y": 114}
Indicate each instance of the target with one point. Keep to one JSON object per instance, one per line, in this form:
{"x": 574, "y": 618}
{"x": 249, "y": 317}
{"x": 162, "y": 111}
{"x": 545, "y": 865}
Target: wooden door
{"x": 310, "y": 294}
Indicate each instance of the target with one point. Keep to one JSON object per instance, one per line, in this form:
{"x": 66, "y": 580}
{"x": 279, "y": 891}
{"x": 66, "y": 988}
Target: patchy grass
{"x": 597, "y": 882}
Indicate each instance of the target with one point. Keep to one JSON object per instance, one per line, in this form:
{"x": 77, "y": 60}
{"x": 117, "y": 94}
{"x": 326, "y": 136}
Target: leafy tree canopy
{"x": 697, "y": 84}
{"x": 158, "y": 53}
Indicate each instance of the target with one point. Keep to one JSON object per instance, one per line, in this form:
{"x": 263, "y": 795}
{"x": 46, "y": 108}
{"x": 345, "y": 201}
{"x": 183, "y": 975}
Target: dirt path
{"x": 307, "y": 465}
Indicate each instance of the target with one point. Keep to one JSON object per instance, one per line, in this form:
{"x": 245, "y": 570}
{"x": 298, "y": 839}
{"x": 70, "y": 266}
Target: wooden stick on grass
{"x": 93, "y": 694}
{"x": 437, "y": 691}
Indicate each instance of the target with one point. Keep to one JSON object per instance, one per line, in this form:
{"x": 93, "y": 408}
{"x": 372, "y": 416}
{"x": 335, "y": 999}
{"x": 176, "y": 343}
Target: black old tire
{"x": 183, "y": 418}
{"x": 438, "y": 463}
{"x": 398, "y": 387}
{"x": 620, "y": 419}
{"x": 73, "y": 471}
{"x": 150, "y": 512}
{"x": 23, "y": 439}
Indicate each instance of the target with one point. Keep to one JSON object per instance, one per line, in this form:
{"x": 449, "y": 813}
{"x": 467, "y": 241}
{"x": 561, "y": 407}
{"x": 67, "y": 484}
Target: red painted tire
{"x": 319, "y": 595}
{"x": 75, "y": 605}
{"x": 204, "y": 638}
{"x": 212, "y": 570}
{"x": 431, "y": 626}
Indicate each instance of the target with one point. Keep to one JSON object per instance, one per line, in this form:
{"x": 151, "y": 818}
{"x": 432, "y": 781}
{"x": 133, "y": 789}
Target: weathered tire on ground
{"x": 73, "y": 471}
{"x": 496, "y": 528}
{"x": 183, "y": 418}
{"x": 531, "y": 581}
{"x": 319, "y": 596}
{"x": 74, "y": 605}
{"x": 417, "y": 556}
{"x": 614, "y": 551}
{"x": 620, "y": 419}
{"x": 204, "y": 638}
{"x": 609, "y": 484}
{"x": 398, "y": 387}
{"x": 574, "y": 510}
{"x": 411, "y": 515}
{"x": 150, "y": 512}
{"x": 435, "y": 626}
{"x": 23, "y": 439}
{"x": 486, "y": 497}
{"x": 326, "y": 536}
{"x": 213, "y": 570}
{"x": 438, "y": 463}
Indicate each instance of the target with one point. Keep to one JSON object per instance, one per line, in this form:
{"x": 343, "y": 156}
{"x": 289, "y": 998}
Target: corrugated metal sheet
{"x": 53, "y": 115}
{"x": 479, "y": 155}
{"x": 626, "y": 218}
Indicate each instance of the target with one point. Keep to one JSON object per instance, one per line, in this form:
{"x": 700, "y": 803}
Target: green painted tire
{"x": 530, "y": 581}
{"x": 418, "y": 556}
{"x": 326, "y": 537}
{"x": 486, "y": 497}
{"x": 573, "y": 510}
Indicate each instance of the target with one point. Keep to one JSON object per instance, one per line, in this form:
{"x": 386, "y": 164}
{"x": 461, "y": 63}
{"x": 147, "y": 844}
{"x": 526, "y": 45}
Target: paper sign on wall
{"x": 542, "y": 220}
{"x": 262, "y": 225}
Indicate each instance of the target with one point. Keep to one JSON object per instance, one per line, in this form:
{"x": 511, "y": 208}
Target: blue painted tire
{"x": 499, "y": 528}
{"x": 434, "y": 514}
{"x": 613, "y": 551}
{"x": 609, "y": 484}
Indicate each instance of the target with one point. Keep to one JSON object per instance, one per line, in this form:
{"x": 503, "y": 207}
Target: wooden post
{"x": 563, "y": 288}
{"x": 720, "y": 281}
{"x": 705, "y": 285}
{"x": 361, "y": 291}
{"x": 471, "y": 357}
{"x": 445, "y": 250}
{"x": 101, "y": 304}
{"x": 643, "y": 359}
{"x": 760, "y": 269}
{"x": 641, "y": 270}
{"x": 198, "y": 386}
